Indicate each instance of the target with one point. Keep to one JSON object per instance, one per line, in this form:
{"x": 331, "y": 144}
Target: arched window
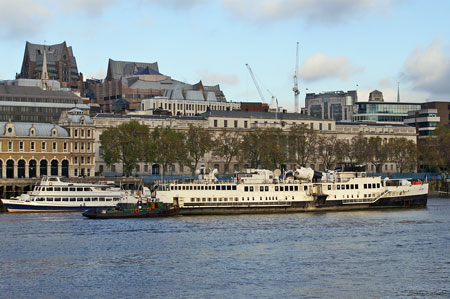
{"x": 54, "y": 167}
{"x": 21, "y": 169}
{"x": 32, "y": 169}
{"x": 9, "y": 169}
{"x": 43, "y": 168}
{"x": 65, "y": 168}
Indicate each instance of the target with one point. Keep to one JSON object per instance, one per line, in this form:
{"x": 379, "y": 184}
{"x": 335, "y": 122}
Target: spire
{"x": 44, "y": 76}
{"x": 398, "y": 92}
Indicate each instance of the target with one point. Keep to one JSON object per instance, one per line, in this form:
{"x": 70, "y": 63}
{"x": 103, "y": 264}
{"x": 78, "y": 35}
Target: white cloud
{"x": 21, "y": 18}
{"x": 100, "y": 74}
{"x": 177, "y": 4}
{"x": 428, "y": 69}
{"x": 320, "y": 66}
{"x": 89, "y": 7}
{"x": 386, "y": 82}
{"x": 217, "y": 78}
{"x": 325, "y": 11}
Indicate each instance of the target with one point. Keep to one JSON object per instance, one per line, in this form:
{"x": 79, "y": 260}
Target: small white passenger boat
{"x": 54, "y": 195}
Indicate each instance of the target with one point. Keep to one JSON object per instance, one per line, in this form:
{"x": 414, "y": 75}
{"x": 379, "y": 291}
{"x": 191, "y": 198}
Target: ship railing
{"x": 364, "y": 200}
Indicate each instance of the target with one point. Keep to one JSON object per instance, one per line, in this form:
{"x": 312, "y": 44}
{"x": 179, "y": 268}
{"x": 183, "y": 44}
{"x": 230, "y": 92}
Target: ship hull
{"x": 413, "y": 201}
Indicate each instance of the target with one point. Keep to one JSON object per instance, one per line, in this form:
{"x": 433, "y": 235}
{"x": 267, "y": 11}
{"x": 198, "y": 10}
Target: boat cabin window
{"x": 365, "y": 186}
{"x": 352, "y": 186}
{"x": 80, "y": 189}
{"x": 116, "y": 199}
{"x": 343, "y": 187}
{"x": 233, "y": 187}
{"x": 261, "y": 188}
{"x": 65, "y": 199}
{"x": 57, "y": 198}
{"x": 378, "y": 185}
{"x": 276, "y": 188}
{"x": 267, "y": 188}
{"x": 49, "y": 188}
{"x": 94, "y": 199}
{"x": 64, "y": 189}
{"x": 347, "y": 186}
{"x": 87, "y": 199}
{"x": 251, "y": 188}
{"x": 338, "y": 187}
{"x": 49, "y": 198}
{"x": 224, "y": 187}
{"x": 73, "y": 199}
{"x": 296, "y": 188}
{"x": 87, "y": 189}
{"x": 101, "y": 199}
{"x": 184, "y": 187}
{"x": 329, "y": 187}
{"x": 40, "y": 199}
{"x": 72, "y": 189}
{"x": 190, "y": 187}
{"x": 305, "y": 188}
{"x": 108, "y": 199}
{"x": 281, "y": 188}
{"x": 79, "y": 199}
{"x": 57, "y": 189}
{"x": 291, "y": 188}
{"x": 369, "y": 185}
{"x": 356, "y": 186}
{"x": 229, "y": 187}
{"x": 246, "y": 188}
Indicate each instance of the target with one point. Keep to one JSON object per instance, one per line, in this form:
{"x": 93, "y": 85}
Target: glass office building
{"x": 383, "y": 112}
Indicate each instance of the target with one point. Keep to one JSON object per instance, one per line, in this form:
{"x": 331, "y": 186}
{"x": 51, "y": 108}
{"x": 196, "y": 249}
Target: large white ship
{"x": 54, "y": 195}
{"x": 263, "y": 191}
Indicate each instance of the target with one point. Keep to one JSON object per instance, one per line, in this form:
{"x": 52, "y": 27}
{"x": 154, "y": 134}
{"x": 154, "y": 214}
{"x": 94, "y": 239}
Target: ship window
{"x": 79, "y": 189}
{"x": 343, "y": 187}
{"x": 378, "y": 185}
{"x": 329, "y": 187}
{"x": 217, "y": 187}
{"x": 347, "y": 187}
{"x": 57, "y": 189}
{"x": 267, "y": 188}
{"x": 356, "y": 186}
{"x": 261, "y": 188}
{"x": 87, "y": 189}
{"x": 365, "y": 186}
{"x": 233, "y": 187}
{"x": 101, "y": 199}
{"x": 305, "y": 188}
{"x": 79, "y": 199}
{"x": 224, "y": 187}
{"x": 276, "y": 188}
{"x": 49, "y": 188}
{"x": 352, "y": 186}
{"x": 209, "y": 199}
{"x": 251, "y": 188}
{"x": 65, "y": 199}
{"x": 184, "y": 187}
{"x": 369, "y": 186}
{"x": 229, "y": 187}
{"x": 374, "y": 185}
{"x": 73, "y": 199}
{"x": 281, "y": 188}
{"x": 203, "y": 199}
{"x": 292, "y": 188}
{"x": 87, "y": 199}
{"x": 225, "y": 199}
{"x": 296, "y": 188}
{"x": 57, "y": 199}
{"x": 202, "y": 187}
{"x": 116, "y": 199}
{"x": 246, "y": 188}
{"x": 190, "y": 187}
{"x": 72, "y": 189}
{"x": 94, "y": 198}
{"x": 339, "y": 187}
{"x": 108, "y": 199}
{"x": 50, "y": 199}
{"x": 214, "y": 199}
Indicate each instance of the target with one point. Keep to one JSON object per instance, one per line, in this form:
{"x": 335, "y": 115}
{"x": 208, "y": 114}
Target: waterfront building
{"x": 442, "y": 108}
{"x": 136, "y": 81}
{"x": 332, "y": 105}
{"x": 58, "y": 60}
{"x": 383, "y": 112}
{"x": 242, "y": 121}
{"x": 33, "y": 104}
{"x": 425, "y": 121}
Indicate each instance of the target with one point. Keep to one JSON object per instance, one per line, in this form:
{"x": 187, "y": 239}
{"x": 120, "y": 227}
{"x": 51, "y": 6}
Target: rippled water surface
{"x": 360, "y": 254}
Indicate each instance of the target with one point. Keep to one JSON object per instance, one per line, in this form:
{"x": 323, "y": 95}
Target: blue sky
{"x": 343, "y": 43}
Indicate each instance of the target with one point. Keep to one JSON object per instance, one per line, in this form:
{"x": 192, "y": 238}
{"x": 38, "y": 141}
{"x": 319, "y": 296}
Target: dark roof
{"x": 256, "y": 114}
{"x": 118, "y": 69}
{"x": 148, "y": 71}
{"x": 112, "y": 115}
{"x": 35, "y": 92}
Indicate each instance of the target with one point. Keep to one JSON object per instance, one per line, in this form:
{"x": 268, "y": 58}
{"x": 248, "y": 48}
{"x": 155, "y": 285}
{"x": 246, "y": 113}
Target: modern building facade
{"x": 443, "y": 111}
{"x": 425, "y": 121}
{"x": 332, "y": 105}
{"x": 58, "y": 59}
{"x": 383, "y": 112}
{"x": 33, "y": 104}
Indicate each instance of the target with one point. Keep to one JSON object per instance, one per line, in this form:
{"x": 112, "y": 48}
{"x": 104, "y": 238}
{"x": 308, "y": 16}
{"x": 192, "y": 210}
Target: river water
{"x": 359, "y": 254}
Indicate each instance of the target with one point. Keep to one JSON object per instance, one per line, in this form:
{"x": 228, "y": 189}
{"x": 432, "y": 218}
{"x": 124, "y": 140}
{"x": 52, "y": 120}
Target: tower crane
{"x": 295, "y": 89}
{"x": 259, "y": 89}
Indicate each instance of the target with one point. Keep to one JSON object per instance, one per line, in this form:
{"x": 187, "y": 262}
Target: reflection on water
{"x": 388, "y": 253}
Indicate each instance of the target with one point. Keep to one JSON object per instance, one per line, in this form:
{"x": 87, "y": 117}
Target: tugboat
{"x": 140, "y": 210}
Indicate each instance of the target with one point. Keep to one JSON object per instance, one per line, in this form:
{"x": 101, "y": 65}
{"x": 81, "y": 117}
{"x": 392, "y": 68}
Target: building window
{"x": 225, "y": 123}
{"x": 75, "y": 133}
{"x": 215, "y": 123}
{"x": 10, "y": 145}
{"x": 235, "y": 123}
{"x": 65, "y": 146}
{"x": 88, "y": 160}
{"x": 43, "y": 145}
{"x": 320, "y": 126}
{"x": 82, "y": 160}
{"x": 88, "y": 146}
{"x": 75, "y": 146}
{"x": 82, "y": 146}
{"x": 329, "y": 127}
{"x": 32, "y": 145}
{"x": 113, "y": 168}
{"x": 75, "y": 160}
{"x": 312, "y": 126}
{"x": 54, "y": 146}
{"x": 245, "y": 124}
{"x": 75, "y": 172}
{"x": 21, "y": 145}
{"x": 88, "y": 133}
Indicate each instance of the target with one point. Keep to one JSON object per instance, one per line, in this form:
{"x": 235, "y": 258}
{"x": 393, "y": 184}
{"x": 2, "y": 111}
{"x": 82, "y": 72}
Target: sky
{"x": 343, "y": 44}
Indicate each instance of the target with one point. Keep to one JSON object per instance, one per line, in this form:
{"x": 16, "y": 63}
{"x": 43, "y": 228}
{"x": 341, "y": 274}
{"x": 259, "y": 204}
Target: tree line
{"x": 131, "y": 143}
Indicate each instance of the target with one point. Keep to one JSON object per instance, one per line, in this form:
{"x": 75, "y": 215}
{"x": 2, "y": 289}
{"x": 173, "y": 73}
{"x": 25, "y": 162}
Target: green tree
{"x": 358, "y": 151}
{"x": 301, "y": 145}
{"x": 273, "y": 148}
{"x": 403, "y": 152}
{"x": 170, "y": 147}
{"x": 227, "y": 145}
{"x": 124, "y": 143}
{"x": 198, "y": 143}
{"x": 435, "y": 150}
{"x": 329, "y": 150}
{"x": 378, "y": 152}
{"x": 251, "y": 148}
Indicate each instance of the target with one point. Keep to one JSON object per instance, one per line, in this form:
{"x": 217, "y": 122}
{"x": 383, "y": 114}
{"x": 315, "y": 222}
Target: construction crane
{"x": 295, "y": 89}
{"x": 259, "y": 89}
{"x": 256, "y": 82}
